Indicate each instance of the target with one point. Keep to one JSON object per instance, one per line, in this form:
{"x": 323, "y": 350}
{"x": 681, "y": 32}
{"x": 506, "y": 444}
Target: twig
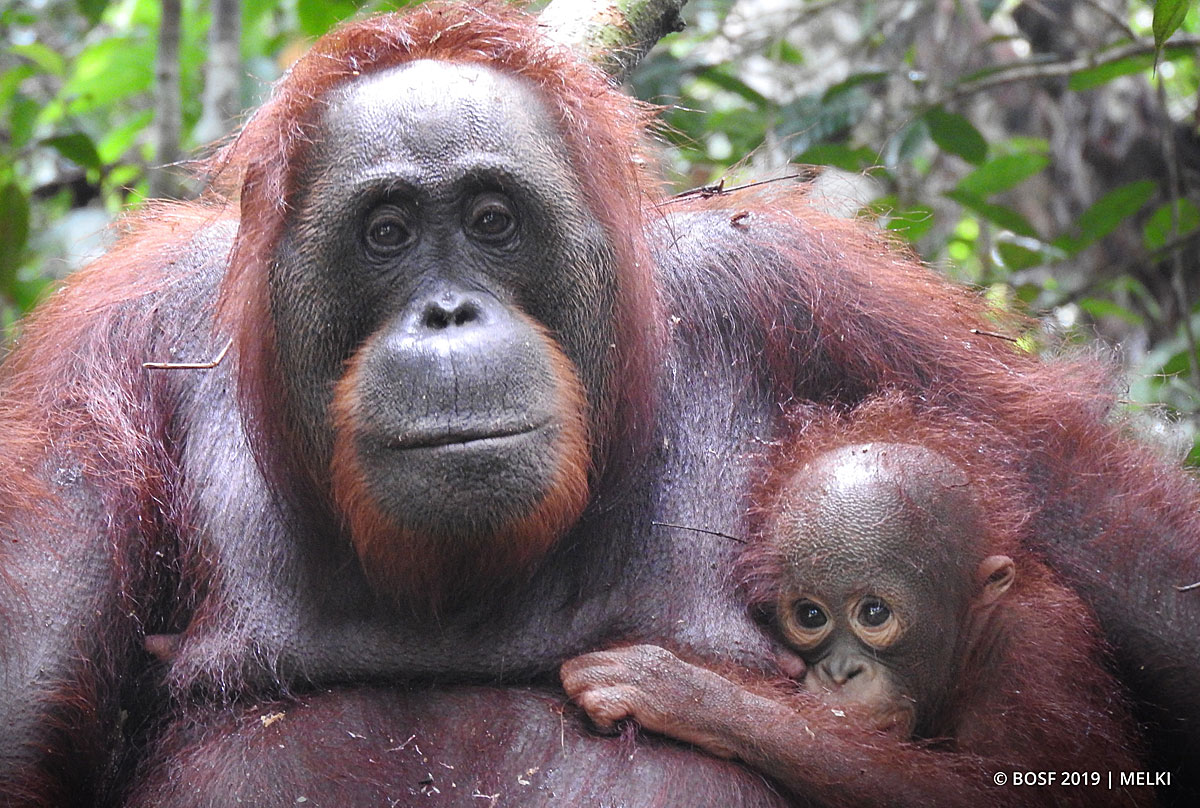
{"x": 1112, "y": 17}
{"x": 1004, "y": 337}
{"x": 719, "y": 189}
{"x": 700, "y": 530}
{"x": 1035, "y": 69}
{"x": 209, "y": 365}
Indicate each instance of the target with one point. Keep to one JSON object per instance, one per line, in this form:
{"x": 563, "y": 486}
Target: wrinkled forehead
{"x": 431, "y": 111}
{"x": 895, "y": 552}
{"x": 857, "y": 529}
{"x": 876, "y": 510}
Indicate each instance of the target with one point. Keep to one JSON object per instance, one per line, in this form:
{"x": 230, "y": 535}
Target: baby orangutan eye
{"x": 804, "y": 621}
{"x": 874, "y": 613}
{"x": 875, "y": 623}
{"x": 809, "y": 615}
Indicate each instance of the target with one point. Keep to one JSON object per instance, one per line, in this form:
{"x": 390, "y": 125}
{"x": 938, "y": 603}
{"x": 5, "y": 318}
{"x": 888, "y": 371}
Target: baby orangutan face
{"x": 844, "y": 645}
{"x": 878, "y": 584}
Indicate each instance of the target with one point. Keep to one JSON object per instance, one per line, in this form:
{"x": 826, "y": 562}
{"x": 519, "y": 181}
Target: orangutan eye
{"x": 491, "y": 219}
{"x": 387, "y": 231}
{"x": 873, "y": 613}
{"x": 809, "y": 615}
{"x": 804, "y": 621}
{"x": 875, "y": 623}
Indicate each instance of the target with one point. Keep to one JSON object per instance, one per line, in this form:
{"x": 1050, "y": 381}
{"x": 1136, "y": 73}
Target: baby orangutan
{"x": 926, "y": 654}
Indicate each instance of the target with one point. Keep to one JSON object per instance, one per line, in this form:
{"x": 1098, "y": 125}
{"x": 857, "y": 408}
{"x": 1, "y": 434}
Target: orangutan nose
{"x": 840, "y": 671}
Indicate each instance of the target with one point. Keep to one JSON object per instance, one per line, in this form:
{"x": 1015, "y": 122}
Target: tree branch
{"x": 614, "y": 34}
{"x": 1037, "y": 69}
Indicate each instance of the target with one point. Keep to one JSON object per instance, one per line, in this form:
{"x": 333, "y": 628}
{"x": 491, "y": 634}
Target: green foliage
{"x": 1106, "y": 72}
{"x": 1107, "y": 214}
{"x": 77, "y": 84}
{"x": 1002, "y": 173}
{"x": 318, "y": 16}
{"x": 77, "y": 79}
{"x": 954, "y": 134}
{"x": 92, "y": 9}
{"x": 911, "y": 222}
{"x": 76, "y": 147}
{"x": 952, "y": 183}
{"x": 1176, "y": 219}
{"x": 1168, "y": 16}
{"x": 14, "y": 230}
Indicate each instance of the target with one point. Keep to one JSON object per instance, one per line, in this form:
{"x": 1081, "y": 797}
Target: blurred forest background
{"x": 1047, "y": 151}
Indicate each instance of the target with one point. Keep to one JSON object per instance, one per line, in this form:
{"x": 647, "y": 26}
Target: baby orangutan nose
{"x": 864, "y": 687}
{"x": 835, "y": 672}
{"x": 847, "y": 680}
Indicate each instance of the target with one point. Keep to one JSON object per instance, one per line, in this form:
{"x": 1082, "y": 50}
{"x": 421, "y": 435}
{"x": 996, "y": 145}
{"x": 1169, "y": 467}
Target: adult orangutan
{"x": 475, "y": 374}
{"x": 930, "y": 653}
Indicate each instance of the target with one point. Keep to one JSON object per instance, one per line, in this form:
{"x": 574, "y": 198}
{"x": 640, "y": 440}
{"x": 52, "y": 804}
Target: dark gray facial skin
{"x": 880, "y": 571}
{"x": 442, "y": 249}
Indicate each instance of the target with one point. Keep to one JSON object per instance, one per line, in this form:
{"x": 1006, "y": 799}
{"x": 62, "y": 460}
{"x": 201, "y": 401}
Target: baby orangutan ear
{"x": 995, "y": 575}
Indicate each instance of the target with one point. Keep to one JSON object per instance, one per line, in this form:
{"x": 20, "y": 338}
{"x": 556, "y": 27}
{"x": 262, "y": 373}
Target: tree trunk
{"x": 222, "y": 73}
{"x": 164, "y": 177}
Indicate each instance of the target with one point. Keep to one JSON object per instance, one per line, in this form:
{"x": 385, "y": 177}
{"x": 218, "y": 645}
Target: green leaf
{"x": 10, "y": 81}
{"x": 787, "y": 53}
{"x": 955, "y": 134}
{"x": 1178, "y": 364}
{"x": 76, "y": 147}
{"x": 1107, "y": 214}
{"x": 28, "y": 293}
{"x": 318, "y": 16}
{"x": 905, "y": 144}
{"x": 1095, "y": 76}
{"x": 118, "y": 141}
{"x": 809, "y": 121}
{"x": 1005, "y": 217}
{"x": 1002, "y": 173}
{"x": 124, "y": 175}
{"x": 92, "y": 9}
{"x": 1017, "y": 257}
{"x": 1127, "y": 286}
{"x": 742, "y": 127}
{"x": 1028, "y": 292}
{"x": 110, "y": 70}
{"x": 1157, "y": 231}
{"x": 21, "y": 120}
{"x": 856, "y": 80}
{"x": 258, "y": 27}
{"x": 727, "y": 81}
{"x": 1168, "y": 16}
{"x": 912, "y": 222}
{"x": 43, "y": 57}
{"x": 14, "y": 231}
{"x": 838, "y": 156}
{"x": 1098, "y": 307}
